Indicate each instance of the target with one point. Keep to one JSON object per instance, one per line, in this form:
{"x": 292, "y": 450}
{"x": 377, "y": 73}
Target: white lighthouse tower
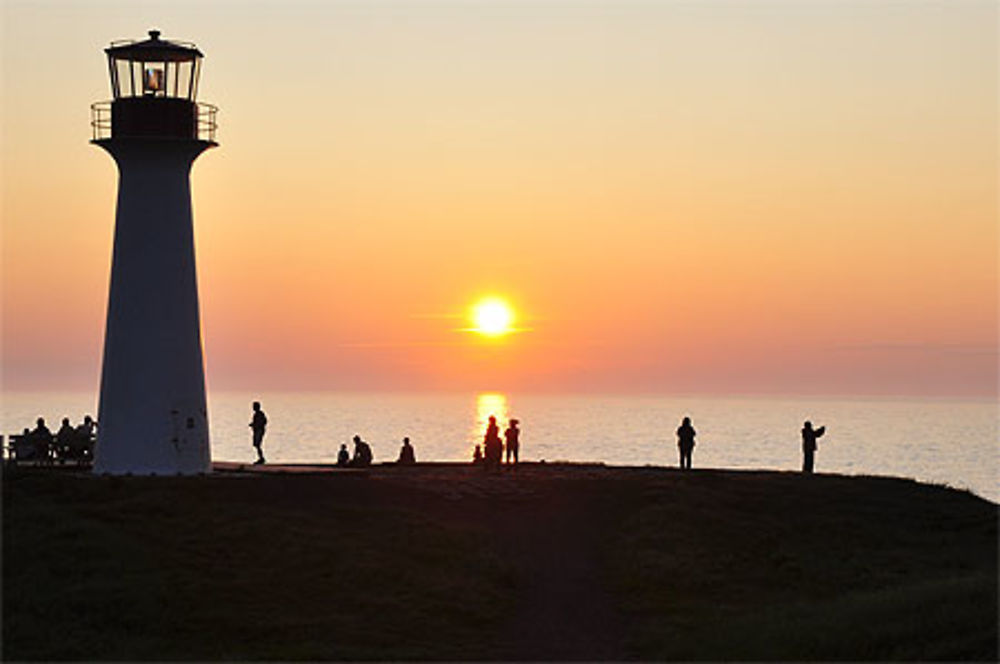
{"x": 152, "y": 416}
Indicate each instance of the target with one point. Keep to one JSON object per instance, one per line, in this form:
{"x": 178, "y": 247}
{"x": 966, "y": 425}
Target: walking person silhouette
{"x": 809, "y": 436}
{"x": 258, "y": 425}
{"x": 685, "y": 442}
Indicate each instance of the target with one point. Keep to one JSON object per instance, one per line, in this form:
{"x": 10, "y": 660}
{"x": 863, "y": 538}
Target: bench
{"x": 23, "y": 448}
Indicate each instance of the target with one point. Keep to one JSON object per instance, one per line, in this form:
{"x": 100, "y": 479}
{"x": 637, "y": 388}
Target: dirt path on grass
{"x": 565, "y": 611}
{"x": 549, "y": 527}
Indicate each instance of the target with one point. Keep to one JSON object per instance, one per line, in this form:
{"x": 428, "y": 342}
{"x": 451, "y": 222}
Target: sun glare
{"x": 492, "y": 317}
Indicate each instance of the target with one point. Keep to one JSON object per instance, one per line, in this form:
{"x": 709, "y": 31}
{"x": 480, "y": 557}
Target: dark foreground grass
{"x": 780, "y": 566}
{"x": 442, "y": 563}
{"x": 237, "y": 568}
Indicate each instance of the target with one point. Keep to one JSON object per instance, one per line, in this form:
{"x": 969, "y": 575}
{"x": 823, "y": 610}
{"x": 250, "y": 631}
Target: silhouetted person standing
{"x": 809, "y": 436}
{"x": 685, "y": 442}
{"x": 407, "y": 457}
{"x": 258, "y": 424}
{"x": 362, "y": 454}
{"x": 343, "y": 456}
{"x": 512, "y": 440}
{"x": 492, "y": 445}
{"x": 477, "y": 456}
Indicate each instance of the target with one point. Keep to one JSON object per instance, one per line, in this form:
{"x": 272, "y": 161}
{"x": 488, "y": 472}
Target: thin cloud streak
{"x": 949, "y": 349}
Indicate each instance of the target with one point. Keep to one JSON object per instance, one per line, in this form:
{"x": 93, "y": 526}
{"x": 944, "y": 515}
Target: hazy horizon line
{"x": 644, "y": 393}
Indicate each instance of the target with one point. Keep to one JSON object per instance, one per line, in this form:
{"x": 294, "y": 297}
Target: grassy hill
{"x": 446, "y": 563}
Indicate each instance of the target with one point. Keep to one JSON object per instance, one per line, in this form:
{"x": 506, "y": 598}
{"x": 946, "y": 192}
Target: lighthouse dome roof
{"x": 153, "y": 49}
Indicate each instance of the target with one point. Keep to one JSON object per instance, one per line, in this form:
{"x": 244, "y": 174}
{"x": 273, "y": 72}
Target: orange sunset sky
{"x": 678, "y": 197}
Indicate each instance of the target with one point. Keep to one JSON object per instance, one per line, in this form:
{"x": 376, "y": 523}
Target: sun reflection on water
{"x": 488, "y": 403}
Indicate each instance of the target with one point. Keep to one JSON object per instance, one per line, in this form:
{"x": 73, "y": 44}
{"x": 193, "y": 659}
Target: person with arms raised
{"x": 809, "y": 436}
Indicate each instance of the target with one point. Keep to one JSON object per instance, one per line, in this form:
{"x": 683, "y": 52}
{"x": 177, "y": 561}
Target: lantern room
{"x": 154, "y": 68}
{"x": 154, "y": 85}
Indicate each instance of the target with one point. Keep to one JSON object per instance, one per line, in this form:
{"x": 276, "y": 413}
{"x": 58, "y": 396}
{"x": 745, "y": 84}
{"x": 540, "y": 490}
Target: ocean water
{"x": 943, "y": 441}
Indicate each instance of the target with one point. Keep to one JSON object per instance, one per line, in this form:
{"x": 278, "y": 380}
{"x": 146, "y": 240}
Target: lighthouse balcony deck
{"x": 153, "y": 117}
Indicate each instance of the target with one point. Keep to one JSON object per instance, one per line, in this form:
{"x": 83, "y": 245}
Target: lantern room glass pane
{"x": 115, "y": 90}
{"x": 137, "y": 73}
{"x": 194, "y": 79}
{"x": 124, "y": 78}
{"x": 185, "y": 70}
{"x": 170, "y": 78}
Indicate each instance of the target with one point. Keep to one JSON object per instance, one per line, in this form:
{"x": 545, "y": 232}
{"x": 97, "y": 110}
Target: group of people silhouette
{"x": 68, "y": 443}
{"x": 686, "y": 434}
{"x": 363, "y": 455}
{"x": 362, "y": 458}
{"x": 490, "y": 455}
{"x": 77, "y": 443}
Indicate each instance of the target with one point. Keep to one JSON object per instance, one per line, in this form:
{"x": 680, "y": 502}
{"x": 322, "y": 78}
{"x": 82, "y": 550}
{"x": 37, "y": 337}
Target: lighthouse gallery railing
{"x": 100, "y": 120}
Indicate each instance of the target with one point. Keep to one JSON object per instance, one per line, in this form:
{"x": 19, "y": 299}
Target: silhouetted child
{"x": 362, "y": 454}
{"x": 477, "y": 456}
{"x": 512, "y": 440}
{"x": 685, "y": 442}
{"x": 407, "y": 457}
{"x": 343, "y": 457}
{"x": 809, "y": 436}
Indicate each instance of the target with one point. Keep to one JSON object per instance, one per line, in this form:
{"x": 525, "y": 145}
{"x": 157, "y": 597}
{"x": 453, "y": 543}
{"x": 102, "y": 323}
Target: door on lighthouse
{"x": 189, "y": 436}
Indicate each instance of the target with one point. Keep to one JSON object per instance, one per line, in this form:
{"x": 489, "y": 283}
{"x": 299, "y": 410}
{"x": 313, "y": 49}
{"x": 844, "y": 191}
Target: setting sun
{"x": 492, "y": 317}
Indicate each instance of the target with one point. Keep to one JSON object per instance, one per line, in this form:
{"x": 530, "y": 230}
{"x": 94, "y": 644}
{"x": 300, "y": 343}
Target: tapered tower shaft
{"x": 152, "y": 414}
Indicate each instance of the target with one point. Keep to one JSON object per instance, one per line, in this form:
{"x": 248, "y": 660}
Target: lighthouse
{"x": 152, "y": 417}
